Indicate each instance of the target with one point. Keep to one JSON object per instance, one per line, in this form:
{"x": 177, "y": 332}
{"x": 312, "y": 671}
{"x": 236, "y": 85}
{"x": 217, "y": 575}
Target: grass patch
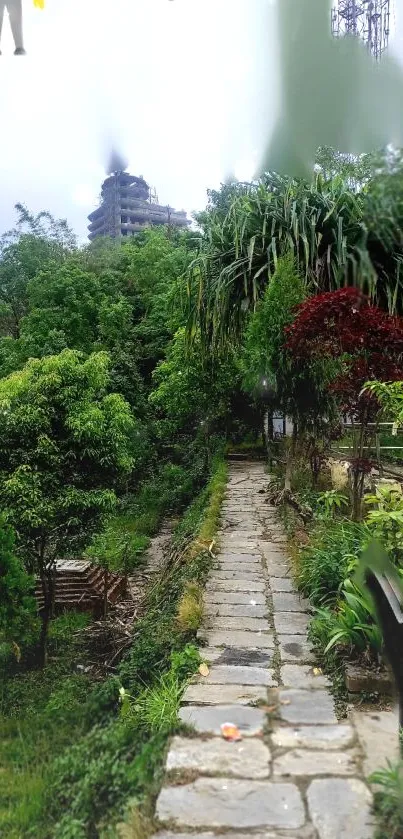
{"x": 190, "y": 607}
{"x": 41, "y": 712}
{"x": 389, "y": 801}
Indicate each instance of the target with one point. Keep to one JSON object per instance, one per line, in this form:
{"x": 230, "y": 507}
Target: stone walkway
{"x": 296, "y": 772}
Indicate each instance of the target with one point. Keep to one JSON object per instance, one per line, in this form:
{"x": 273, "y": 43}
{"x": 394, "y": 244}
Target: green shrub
{"x": 116, "y": 548}
{"x": 185, "y": 662}
{"x": 389, "y": 800}
{"x": 92, "y": 777}
{"x": 385, "y": 522}
{"x": 18, "y": 612}
{"x": 351, "y": 626}
{"x": 330, "y": 502}
{"x": 156, "y": 709}
{"x": 63, "y": 627}
{"x": 325, "y": 562}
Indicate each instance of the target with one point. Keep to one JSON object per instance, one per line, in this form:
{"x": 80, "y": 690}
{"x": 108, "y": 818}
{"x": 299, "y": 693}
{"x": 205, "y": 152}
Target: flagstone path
{"x": 297, "y": 772}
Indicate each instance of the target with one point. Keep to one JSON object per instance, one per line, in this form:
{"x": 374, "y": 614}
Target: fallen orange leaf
{"x": 230, "y": 731}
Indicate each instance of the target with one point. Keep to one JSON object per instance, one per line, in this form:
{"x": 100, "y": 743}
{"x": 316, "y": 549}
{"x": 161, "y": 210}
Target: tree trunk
{"x": 268, "y": 434}
{"x": 290, "y": 458}
{"x": 47, "y": 582}
{"x": 106, "y": 581}
{"x": 356, "y": 473}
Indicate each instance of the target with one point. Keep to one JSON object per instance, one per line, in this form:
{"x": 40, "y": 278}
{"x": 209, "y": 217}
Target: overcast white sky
{"x": 178, "y": 85}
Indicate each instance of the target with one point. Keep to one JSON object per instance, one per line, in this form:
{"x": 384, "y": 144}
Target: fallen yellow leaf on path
{"x": 317, "y": 671}
{"x": 203, "y": 669}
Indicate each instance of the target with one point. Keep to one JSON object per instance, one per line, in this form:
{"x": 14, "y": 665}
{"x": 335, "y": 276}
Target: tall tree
{"x": 366, "y": 342}
{"x": 65, "y": 445}
{"x": 35, "y": 243}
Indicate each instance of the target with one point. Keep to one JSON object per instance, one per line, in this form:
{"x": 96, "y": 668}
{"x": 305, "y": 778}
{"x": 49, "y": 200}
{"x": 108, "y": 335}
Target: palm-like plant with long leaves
{"x": 330, "y": 229}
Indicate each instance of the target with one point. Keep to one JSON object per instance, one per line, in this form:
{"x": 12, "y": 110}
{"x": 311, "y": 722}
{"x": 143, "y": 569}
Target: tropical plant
{"x": 389, "y": 800}
{"x": 386, "y": 521}
{"x": 331, "y": 501}
{"x": 64, "y": 446}
{"x": 352, "y": 626}
{"x": 331, "y": 229}
{"x": 329, "y": 558}
{"x": 390, "y": 397}
{"x": 316, "y": 222}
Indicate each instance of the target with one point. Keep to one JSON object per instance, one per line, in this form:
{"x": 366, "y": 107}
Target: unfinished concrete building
{"x": 127, "y": 208}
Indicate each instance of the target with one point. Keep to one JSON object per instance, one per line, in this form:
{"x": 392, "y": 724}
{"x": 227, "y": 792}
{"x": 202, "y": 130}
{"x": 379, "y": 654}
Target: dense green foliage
{"x": 339, "y": 232}
{"x": 17, "y": 605}
{"x": 389, "y": 800}
{"x": 73, "y": 772}
{"x": 325, "y": 562}
{"x": 124, "y": 368}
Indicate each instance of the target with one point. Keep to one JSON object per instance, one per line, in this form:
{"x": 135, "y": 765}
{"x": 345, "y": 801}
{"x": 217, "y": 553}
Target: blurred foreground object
{"x": 333, "y": 92}
{"x": 14, "y": 9}
{"x": 383, "y": 581}
{"x": 369, "y": 19}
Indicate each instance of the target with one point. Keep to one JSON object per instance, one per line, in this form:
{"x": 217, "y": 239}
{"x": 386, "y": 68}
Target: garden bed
{"x": 361, "y": 679}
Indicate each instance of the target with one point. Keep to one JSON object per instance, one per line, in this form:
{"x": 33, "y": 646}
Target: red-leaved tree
{"x": 366, "y": 343}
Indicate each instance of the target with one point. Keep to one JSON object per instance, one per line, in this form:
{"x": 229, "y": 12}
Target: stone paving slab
{"x": 228, "y": 803}
{"x": 277, "y": 567}
{"x": 237, "y": 638}
{"x": 234, "y": 557}
{"x": 237, "y": 623}
{"x": 377, "y": 733}
{"x": 303, "y": 833}
{"x": 208, "y": 720}
{"x": 307, "y": 763}
{"x": 240, "y": 574}
{"x": 228, "y": 544}
{"x": 235, "y": 585}
{"x": 242, "y": 568}
{"x": 295, "y": 648}
{"x": 340, "y": 808}
{"x": 235, "y": 675}
{"x": 237, "y": 657}
{"x": 291, "y": 623}
{"x": 232, "y": 610}
{"x": 247, "y": 759}
{"x": 338, "y": 736}
{"x": 286, "y": 602}
{"x": 282, "y": 584}
{"x": 305, "y": 706}
{"x": 202, "y": 694}
{"x": 240, "y": 598}
{"x": 302, "y": 676}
